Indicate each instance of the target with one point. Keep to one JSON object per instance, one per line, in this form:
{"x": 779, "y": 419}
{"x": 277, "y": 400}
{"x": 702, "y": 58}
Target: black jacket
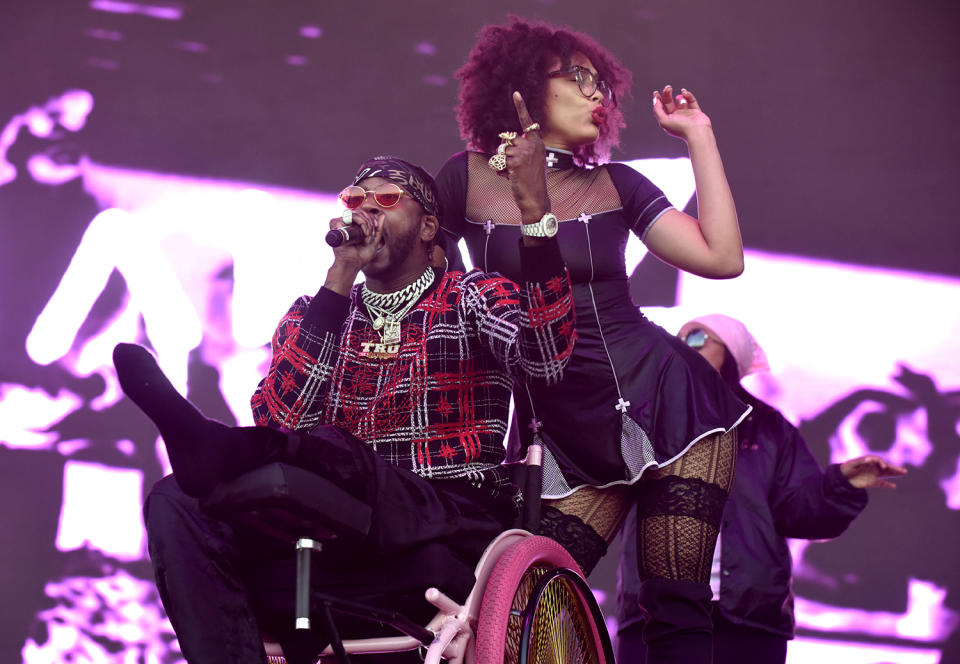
{"x": 779, "y": 491}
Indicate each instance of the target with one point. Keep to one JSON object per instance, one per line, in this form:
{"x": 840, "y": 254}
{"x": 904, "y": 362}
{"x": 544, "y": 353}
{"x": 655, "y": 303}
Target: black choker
{"x": 559, "y": 159}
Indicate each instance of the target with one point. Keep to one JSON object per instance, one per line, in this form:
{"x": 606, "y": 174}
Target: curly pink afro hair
{"x": 517, "y": 56}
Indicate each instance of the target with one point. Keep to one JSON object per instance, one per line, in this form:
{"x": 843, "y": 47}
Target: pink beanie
{"x": 734, "y": 335}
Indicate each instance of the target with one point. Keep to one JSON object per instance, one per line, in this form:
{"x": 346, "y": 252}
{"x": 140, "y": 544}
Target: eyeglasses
{"x": 386, "y": 195}
{"x": 696, "y": 338}
{"x": 588, "y": 83}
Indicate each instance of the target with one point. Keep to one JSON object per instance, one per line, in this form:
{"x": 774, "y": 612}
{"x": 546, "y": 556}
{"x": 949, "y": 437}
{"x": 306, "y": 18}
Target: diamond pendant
{"x": 378, "y": 322}
{"x": 391, "y": 333}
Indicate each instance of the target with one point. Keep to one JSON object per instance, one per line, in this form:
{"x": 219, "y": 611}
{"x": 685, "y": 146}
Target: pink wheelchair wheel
{"x": 532, "y": 612}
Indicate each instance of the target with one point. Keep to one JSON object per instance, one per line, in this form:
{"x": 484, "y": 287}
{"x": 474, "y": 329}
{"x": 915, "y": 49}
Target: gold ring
{"x": 498, "y": 162}
{"x": 534, "y": 127}
{"x": 508, "y": 137}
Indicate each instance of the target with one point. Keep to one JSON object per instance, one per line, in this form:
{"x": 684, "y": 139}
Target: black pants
{"x": 221, "y": 587}
{"x": 732, "y": 643}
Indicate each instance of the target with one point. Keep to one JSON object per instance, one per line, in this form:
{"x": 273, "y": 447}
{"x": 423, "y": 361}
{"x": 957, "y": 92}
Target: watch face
{"x": 550, "y": 225}
{"x": 546, "y": 227}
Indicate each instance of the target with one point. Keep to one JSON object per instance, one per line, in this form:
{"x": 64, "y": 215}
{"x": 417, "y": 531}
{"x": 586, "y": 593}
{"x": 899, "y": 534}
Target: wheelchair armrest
{"x": 287, "y": 502}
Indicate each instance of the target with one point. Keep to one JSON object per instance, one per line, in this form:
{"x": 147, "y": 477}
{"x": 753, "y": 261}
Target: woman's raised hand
{"x": 678, "y": 115}
{"x": 527, "y": 167}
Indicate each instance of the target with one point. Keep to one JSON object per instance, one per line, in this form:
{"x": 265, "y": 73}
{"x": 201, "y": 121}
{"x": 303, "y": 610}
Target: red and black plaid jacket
{"x": 440, "y": 407}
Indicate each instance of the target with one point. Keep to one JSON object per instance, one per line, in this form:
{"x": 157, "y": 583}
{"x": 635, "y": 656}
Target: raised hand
{"x": 678, "y": 115}
{"x": 527, "y": 167}
{"x": 351, "y": 257}
{"x": 868, "y": 471}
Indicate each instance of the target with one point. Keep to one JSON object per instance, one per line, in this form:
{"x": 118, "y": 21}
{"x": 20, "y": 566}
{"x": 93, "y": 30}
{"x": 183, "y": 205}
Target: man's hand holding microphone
{"x": 354, "y": 237}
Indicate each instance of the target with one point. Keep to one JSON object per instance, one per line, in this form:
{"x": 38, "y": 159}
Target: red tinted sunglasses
{"x": 386, "y": 195}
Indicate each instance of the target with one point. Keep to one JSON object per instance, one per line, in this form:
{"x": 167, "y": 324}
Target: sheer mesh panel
{"x": 572, "y": 192}
{"x": 635, "y": 446}
{"x": 554, "y": 483}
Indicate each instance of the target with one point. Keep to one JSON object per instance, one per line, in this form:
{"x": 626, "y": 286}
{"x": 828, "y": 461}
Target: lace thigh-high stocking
{"x": 586, "y": 521}
{"x": 679, "y": 511}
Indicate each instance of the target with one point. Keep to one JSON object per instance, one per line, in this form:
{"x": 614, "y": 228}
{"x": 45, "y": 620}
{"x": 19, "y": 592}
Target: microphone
{"x": 347, "y": 233}
{"x": 338, "y": 236}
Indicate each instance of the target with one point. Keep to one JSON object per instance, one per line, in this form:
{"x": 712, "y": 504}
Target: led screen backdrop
{"x": 167, "y": 170}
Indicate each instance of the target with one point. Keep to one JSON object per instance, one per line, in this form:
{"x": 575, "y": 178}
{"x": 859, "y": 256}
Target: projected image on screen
{"x": 168, "y": 169}
{"x": 182, "y": 265}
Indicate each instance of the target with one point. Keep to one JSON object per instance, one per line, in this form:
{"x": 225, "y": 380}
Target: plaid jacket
{"x": 440, "y": 407}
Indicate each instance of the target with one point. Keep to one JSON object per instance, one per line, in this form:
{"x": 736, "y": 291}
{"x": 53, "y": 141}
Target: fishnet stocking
{"x": 602, "y": 509}
{"x": 586, "y": 521}
{"x": 680, "y": 508}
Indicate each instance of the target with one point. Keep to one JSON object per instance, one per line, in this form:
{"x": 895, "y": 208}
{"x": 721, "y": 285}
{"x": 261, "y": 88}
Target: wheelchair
{"x": 529, "y": 601}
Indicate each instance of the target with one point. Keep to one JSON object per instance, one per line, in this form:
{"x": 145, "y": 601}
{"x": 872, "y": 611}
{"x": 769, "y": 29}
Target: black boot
{"x": 202, "y": 452}
{"x": 678, "y": 628}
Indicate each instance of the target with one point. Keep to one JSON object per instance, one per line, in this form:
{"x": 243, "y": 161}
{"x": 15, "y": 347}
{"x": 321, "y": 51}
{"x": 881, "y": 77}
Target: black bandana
{"x": 415, "y": 180}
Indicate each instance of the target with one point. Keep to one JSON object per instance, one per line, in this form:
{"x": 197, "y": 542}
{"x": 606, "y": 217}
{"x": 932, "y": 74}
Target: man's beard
{"x": 399, "y": 247}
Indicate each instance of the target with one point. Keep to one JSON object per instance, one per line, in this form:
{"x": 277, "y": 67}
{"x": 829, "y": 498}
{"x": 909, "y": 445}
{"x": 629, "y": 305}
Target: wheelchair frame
{"x": 496, "y": 611}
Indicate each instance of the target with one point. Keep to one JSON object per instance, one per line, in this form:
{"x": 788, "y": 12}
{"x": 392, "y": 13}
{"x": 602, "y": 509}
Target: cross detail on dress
{"x": 585, "y": 218}
{"x": 535, "y": 425}
{"x": 552, "y": 160}
{"x": 622, "y": 405}
{"x": 488, "y": 226}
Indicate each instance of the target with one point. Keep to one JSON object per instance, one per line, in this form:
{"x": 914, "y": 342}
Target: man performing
{"x": 397, "y": 390}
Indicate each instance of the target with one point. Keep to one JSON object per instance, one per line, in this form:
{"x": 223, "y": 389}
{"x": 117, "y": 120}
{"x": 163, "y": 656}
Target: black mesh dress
{"x": 633, "y": 395}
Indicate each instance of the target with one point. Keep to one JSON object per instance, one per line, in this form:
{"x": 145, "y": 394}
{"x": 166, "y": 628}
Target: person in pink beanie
{"x": 779, "y": 491}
